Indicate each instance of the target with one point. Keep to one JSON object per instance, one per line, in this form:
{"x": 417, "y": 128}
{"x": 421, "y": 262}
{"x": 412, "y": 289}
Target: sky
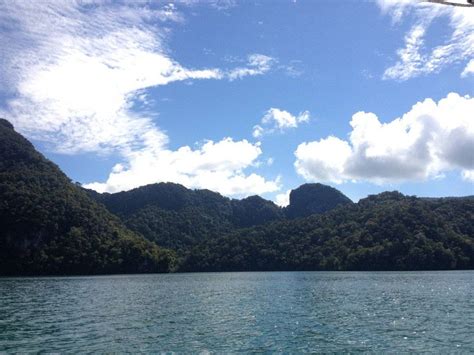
{"x": 247, "y": 97}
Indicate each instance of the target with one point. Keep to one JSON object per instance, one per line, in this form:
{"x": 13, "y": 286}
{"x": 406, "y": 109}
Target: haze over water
{"x": 262, "y": 311}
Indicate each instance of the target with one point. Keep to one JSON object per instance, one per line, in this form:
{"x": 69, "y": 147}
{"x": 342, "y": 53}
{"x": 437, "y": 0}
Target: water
{"x": 222, "y": 312}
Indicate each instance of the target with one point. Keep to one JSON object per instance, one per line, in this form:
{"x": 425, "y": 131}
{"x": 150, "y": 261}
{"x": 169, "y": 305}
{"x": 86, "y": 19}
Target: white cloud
{"x": 293, "y": 69}
{"x": 430, "y": 139}
{"x": 396, "y": 8}
{"x": 415, "y": 58}
{"x": 257, "y": 64}
{"x": 283, "y": 199}
{"x": 257, "y": 131}
{"x": 278, "y": 120}
{"x": 206, "y": 167}
{"x": 411, "y": 62}
{"x": 72, "y": 72}
{"x": 323, "y": 160}
{"x": 468, "y": 175}
{"x": 222, "y": 5}
{"x": 469, "y": 70}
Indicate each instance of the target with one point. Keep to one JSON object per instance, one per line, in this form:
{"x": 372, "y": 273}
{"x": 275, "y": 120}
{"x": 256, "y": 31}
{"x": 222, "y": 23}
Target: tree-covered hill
{"x": 311, "y": 199}
{"x": 321, "y": 229}
{"x": 48, "y": 225}
{"x": 179, "y": 218}
{"x": 388, "y": 231}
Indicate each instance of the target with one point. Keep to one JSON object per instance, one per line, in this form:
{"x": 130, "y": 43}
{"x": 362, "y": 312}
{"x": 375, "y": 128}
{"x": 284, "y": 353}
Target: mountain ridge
{"x": 48, "y": 225}
{"x": 156, "y": 209}
{"x": 371, "y": 235}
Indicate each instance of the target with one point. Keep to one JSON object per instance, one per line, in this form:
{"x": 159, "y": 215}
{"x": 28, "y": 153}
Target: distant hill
{"x": 311, "y": 199}
{"x": 48, "y": 225}
{"x": 321, "y": 229}
{"x": 388, "y": 231}
{"x": 176, "y": 217}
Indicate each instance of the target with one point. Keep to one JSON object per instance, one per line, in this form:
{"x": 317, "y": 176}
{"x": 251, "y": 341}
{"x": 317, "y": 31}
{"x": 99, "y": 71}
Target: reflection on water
{"x": 297, "y": 311}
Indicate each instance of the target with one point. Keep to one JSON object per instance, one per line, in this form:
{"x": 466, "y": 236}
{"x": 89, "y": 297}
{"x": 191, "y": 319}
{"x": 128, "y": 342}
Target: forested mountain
{"x": 171, "y": 215}
{"x": 48, "y": 225}
{"x": 388, "y": 231}
{"x": 309, "y": 199}
{"x": 321, "y": 229}
{"x": 178, "y": 218}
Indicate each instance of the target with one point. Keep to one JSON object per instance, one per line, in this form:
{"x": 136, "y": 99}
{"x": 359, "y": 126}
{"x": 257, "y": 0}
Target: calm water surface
{"x": 222, "y": 312}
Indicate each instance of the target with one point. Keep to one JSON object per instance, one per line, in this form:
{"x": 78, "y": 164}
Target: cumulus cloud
{"x": 72, "y": 72}
{"x": 209, "y": 167}
{"x": 278, "y": 120}
{"x": 323, "y": 160}
{"x": 283, "y": 199}
{"x": 425, "y": 142}
{"x": 415, "y": 58}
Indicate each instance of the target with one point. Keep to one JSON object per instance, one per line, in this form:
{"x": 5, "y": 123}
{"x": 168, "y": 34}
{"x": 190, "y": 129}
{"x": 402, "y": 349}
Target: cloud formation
{"x": 283, "y": 199}
{"x": 469, "y": 70}
{"x": 257, "y": 64}
{"x": 218, "y": 166}
{"x": 276, "y": 120}
{"x": 430, "y": 139}
{"x": 72, "y": 72}
{"x": 415, "y": 58}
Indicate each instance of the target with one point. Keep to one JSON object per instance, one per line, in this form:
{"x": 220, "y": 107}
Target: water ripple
{"x": 249, "y": 312}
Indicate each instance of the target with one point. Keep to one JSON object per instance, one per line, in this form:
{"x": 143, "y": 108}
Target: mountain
{"x": 321, "y": 229}
{"x": 48, "y": 225}
{"x": 178, "y": 218}
{"x": 388, "y": 231}
{"x": 311, "y": 199}
{"x": 253, "y": 211}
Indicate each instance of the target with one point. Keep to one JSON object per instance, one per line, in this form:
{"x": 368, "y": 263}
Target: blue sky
{"x": 244, "y": 98}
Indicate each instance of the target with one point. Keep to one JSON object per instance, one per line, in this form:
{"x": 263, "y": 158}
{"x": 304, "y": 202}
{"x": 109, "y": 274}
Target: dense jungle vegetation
{"x": 48, "y": 225}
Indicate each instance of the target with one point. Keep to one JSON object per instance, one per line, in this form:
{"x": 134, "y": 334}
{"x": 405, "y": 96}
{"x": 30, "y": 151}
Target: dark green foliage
{"x": 388, "y": 231}
{"x": 178, "y": 230}
{"x": 48, "y": 225}
{"x": 310, "y": 199}
{"x": 383, "y": 232}
{"x": 166, "y": 196}
{"x": 170, "y": 214}
{"x": 179, "y": 218}
{"x": 253, "y": 211}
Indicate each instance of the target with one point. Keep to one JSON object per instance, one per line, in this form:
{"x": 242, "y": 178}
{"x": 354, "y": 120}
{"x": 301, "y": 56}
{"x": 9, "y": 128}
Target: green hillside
{"x": 48, "y": 225}
{"x": 179, "y": 218}
{"x": 388, "y": 231}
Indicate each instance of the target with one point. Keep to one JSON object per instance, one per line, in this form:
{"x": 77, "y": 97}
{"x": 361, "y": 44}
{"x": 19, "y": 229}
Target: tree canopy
{"x": 48, "y": 225}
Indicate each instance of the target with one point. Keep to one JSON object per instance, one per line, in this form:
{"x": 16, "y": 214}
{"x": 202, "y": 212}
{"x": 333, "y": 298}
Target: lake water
{"x": 222, "y": 312}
